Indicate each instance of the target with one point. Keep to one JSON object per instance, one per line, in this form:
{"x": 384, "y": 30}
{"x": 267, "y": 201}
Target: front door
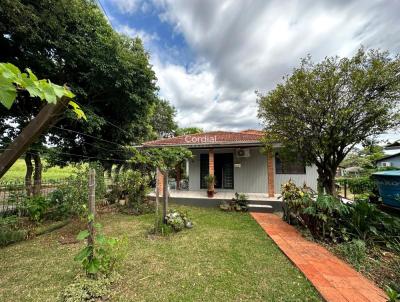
{"x": 223, "y": 170}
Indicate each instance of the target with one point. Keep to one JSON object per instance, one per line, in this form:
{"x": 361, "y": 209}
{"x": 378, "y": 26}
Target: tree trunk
{"x": 28, "y": 174}
{"x": 326, "y": 181}
{"x": 165, "y": 196}
{"x": 37, "y": 177}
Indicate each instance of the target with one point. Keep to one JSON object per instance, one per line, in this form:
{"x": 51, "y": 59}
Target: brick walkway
{"x": 334, "y": 279}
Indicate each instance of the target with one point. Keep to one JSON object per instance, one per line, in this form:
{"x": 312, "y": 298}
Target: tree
{"x": 188, "y": 130}
{"x": 366, "y": 157}
{"x": 323, "y": 110}
{"x": 162, "y": 119}
{"x": 12, "y": 81}
{"x": 71, "y": 42}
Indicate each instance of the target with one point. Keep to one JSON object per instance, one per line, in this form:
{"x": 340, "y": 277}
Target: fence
{"x": 13, "y": 194}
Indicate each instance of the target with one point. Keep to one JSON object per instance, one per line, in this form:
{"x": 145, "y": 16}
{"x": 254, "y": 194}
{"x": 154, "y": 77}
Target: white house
{"x": 238, "y": 163}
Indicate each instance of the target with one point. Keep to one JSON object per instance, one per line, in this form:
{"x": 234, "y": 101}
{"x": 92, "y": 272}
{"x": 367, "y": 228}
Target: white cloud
{"x": 146, "y": 37}
{"x": 126, "y": 6}
{"x": 250, "y": 45}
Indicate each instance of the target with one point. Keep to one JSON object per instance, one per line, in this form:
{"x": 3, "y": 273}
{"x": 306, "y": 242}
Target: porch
{"x": 260, "y": 202}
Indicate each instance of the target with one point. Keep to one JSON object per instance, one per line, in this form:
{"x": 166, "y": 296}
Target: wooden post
{"x": 165, "y": 196}
{"x": 92, "y": 206}
{"x": 157, "y": 199}
{"x": 45, "y": 118}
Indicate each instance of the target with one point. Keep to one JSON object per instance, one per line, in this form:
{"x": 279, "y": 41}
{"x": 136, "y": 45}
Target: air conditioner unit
{"x": 243, "y": 152}
{"x": 386, "y": 164}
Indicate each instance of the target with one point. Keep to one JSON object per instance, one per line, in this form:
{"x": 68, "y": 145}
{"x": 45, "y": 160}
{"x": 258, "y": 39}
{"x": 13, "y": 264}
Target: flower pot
{"x": 210, "y": 194}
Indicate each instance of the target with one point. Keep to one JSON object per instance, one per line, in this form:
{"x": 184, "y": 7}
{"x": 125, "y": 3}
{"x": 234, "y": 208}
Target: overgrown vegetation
{"x": 238, "y": 203}
{"x": 357, "y": 232}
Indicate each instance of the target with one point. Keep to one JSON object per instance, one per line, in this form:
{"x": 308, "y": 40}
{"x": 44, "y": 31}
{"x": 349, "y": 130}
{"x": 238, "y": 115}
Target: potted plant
{"x": 210, "y": 184}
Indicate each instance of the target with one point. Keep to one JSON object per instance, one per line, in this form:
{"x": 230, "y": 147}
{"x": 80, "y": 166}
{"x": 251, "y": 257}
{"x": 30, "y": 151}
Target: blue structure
{"x": 389, "y": 187}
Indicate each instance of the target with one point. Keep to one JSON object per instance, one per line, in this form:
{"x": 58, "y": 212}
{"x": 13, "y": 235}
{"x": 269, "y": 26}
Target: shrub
{"x": 324, "y": 217}
{"x": 295, "y": 200}
{"x": 9, "y": 232}
{"x": 238, "y": 203}
{"x": 104, "y": 255}
{"x": 71, "y": 197}
{"x": 85, "y": 289}
{"x": 178, "y": 220}
{"x": 354, "y": 252}
{"x": 36, "y": 207}
{"x": 129, "y": 185}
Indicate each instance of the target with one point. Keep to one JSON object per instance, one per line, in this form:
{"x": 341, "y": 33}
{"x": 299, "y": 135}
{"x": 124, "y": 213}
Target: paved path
{"x": 334, "y": 279}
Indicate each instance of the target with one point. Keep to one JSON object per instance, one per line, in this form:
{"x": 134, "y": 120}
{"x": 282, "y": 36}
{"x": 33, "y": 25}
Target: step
{"x": 262, "y": 208}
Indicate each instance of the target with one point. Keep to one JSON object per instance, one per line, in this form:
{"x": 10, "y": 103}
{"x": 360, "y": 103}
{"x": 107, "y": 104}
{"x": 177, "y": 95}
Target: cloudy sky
{"x": 211, "y": 55}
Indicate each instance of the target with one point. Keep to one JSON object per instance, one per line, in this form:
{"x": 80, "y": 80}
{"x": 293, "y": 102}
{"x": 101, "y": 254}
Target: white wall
{"x": 251, "y": 177}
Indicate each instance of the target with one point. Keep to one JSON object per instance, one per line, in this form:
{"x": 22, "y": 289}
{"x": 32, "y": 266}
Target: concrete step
{"x": 261, "y": 208}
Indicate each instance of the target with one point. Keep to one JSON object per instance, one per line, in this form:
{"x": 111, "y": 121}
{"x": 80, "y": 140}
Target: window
{"x": 284, "y": 166}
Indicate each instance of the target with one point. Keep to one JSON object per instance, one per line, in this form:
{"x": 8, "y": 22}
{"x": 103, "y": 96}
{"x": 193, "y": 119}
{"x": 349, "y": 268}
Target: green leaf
{"x": 33, "y": 89}
{"x": 7, "y": 95}
{"x": 93, "y": 266}
{"x": 58, "y": 90}
{"x": 14, "y": 69}
{"x": 83, "y": 235}
{"x": 78, "y": 111}
{"x": 31, "y": 74}
{"x": 83, "y": 254}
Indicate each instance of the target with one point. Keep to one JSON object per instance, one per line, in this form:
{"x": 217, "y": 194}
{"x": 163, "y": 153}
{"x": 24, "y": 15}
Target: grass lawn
{"x": 18, "y": 170}
{"x": 225, "y": 257}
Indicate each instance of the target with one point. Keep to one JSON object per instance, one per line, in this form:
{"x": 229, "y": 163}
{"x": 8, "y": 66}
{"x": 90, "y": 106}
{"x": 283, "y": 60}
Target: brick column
{"x": 160, "y": 179}
{"x": 211, "y": 163}
{"x": 270, "y": 174}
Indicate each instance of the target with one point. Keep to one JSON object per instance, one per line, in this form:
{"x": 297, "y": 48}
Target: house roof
{"x": 210, "y": 139}
{"x": 388, "y": 156}
{"x": 394, "y": 145}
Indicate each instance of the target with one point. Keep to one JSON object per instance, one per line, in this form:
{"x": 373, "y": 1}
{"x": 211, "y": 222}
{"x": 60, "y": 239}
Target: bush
{"x": 104, "y": 255}
{"x": 36, "y": 207}
{"x": 85, "y": 289}
{"x": 354, "y": 252}
{"x": 131, "y": 186}
{"x": 178, "y": 220}
{"x": 324, "y": 217}
{"x": 9, "y": 232}
{"x": 71, "y": 197}
{"x": 295, "y": 200}
{"x": 238, "y": 203}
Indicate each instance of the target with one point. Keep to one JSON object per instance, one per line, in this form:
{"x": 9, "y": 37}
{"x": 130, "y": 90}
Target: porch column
{"x": 178, "y": 172}
{"x": 211, "y": 163}
{"x": 160, "y": 182}
{"x": 270, "y": 174}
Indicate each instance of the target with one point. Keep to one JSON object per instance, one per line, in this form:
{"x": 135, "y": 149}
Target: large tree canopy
{"x": 323, "y": 110}
{"x": 70, "y": 41}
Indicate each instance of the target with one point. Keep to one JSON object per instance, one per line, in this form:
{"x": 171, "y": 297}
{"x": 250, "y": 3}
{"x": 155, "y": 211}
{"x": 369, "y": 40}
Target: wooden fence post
{"x": 165, "y": 196}
{"x": 92, "y": 206}
{"x": 157, "y": 200}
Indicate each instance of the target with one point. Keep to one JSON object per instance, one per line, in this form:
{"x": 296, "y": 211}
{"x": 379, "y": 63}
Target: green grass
{"x": 225, "y": 257}
{"x": 17, "y": 172}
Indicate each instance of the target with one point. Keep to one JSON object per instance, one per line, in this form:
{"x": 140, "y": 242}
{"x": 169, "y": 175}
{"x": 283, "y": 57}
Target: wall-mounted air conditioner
{"x": 242, "y": 152}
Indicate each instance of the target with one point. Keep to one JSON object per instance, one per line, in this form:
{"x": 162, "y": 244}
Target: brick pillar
{"x": 178, "y": 171}
{"x": 211, "y": 163}
{"x": 160, "y": 180}
{"x": 270, "y": 174}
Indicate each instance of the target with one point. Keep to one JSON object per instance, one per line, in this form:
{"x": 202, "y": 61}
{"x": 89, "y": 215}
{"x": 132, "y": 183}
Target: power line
{"x": 105, "y": 13}
{"x": 88, "y": 135}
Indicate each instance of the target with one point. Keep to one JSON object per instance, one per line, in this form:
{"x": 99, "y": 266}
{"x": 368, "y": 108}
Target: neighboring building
{"x": 236, "y": 160}
{"x": 392, "y": 160}
{"x": 392, "y": 148}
